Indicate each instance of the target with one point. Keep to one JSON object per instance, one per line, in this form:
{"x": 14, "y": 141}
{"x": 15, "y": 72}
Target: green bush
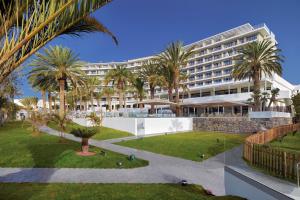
{"x": 83, "y": 132}
{"x": 296, "y": 103}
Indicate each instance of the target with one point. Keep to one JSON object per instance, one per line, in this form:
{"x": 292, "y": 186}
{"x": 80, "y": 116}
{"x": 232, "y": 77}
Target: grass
{"x": 288, "y": 143}
{"x": 189, "y": 145}
{"x": 19, "y": 148}
{"x": 26, "y": 191}
{"x": 103, "y": 134}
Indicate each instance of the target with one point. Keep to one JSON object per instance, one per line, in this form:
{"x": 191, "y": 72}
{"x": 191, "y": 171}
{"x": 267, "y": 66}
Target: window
{"x": 195, "y": 95}
{"x": 208, "y": 59}
{"x": 217, "y": 48}
{"x": 191, "y": 84}
{"x": 203, "y": 52}
{"x": 199, "y": 83}
{"x": 208, "y": 67}
{"x": 244, "y": 90}
{"x": 217, "y": 56}
{"x": 208, "y": 82}
{"x": 199, "y": 76}
{"x": 208, "y": 75}
{"x": 233, "y": 91}
{"x": 217, "y": 65}
{"x": 227, "y": 62}
{"x": 199, "y": 68}
{"x": 251, "y": 38}
{"x": 241, "y": 40}
{"x": 191, "y": 62}
{"x": 227, "y": 79}
{"x": 221, "y": 92}
{"x": 227, "y": 71}
{"x": 218, "y": 81}
{"x": 192, "y": 78}
{"x": 205, "y": 94}
{"x": 218, "y": 73}
{"x": 192, "y": 70}
{"x": 200, "y": 60}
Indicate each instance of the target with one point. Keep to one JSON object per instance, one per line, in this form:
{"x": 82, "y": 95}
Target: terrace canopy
{"x": 214, "y": 103}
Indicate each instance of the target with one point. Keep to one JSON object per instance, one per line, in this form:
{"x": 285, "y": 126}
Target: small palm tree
{"x": 175, "y": 57}
{"x": 108, "y": 92}
{"x": 60, "y": 64}
{"x": 119, "y": 77}
{"x": 96, "y": 120}
{"x": 85, "y": 134}
{"x": 255, "y": 60}
{"x": 265, "y": 96}
{"x": 61, "y": 121}
{"x": 274, "y": 95}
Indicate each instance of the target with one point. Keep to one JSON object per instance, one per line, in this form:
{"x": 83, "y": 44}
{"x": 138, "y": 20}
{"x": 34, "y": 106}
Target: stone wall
{"x": 237, "y": 124}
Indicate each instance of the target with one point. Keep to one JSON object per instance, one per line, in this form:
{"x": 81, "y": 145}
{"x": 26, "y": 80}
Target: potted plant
{"x": 85, "y": 134}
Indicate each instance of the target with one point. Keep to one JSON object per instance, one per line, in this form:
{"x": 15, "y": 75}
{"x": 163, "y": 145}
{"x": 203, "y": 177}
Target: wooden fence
{"x": 273, "y": 160}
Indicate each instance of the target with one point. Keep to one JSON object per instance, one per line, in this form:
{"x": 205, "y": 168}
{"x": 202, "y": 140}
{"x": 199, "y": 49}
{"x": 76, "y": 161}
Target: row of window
{"x": 209, "y": 82}
{"x": 207, "y": 67}
{"x": 227, "y": 45}
{"x": 210, "y": 74}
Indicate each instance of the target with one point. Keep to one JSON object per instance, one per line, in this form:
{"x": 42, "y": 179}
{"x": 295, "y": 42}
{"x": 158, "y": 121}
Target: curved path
{"x": 161, "y": 169}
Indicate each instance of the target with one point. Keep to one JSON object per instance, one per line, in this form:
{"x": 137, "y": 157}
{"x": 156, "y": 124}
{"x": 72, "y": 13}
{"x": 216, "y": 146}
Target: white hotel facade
{"x": 211, "y": 87}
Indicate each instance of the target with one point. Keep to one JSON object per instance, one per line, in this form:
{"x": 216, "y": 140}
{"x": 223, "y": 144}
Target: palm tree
{"x": 43, "y": 83}
{"x": 265, "y": 96}
{"x": 60, "y": 64}
{"x": 120, "y": 77}
{"x": 108, "y": 92}
{"x": 26, "y": 26}
{"x": 92, "y": 84}
{"x": 174, "y": 57}
{"x": 152, "y": 73}
{"x": 138, "y": 89}
{"x": 255, "y": 60}
{"x": 274, "y": 95}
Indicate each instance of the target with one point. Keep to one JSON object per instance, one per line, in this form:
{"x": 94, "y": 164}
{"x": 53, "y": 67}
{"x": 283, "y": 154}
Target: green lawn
{"x": 289, "y": 142}
{"x": 19, "y": 148}
{"x": 26, "y": 191}
{"x": 103, "y": 134}
{"x": 189, "y": 145}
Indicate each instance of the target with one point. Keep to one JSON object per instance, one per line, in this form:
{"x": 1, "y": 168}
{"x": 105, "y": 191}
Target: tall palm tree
{"x": 26, "y": 26}
{"x": 92, "y": 84}
{"x": 175, "y": 57}
{"x": 108, "y": 92}
{"x": 152, "y": 73}
{"x": 255, "y": 60}
{"x": 138, "y": 89}
{"x": 59, "y": 64}
{"x": 119, "y": 77}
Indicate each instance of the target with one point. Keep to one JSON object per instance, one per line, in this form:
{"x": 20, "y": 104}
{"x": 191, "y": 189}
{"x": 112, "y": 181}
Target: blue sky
{"x": 145, "y": 27}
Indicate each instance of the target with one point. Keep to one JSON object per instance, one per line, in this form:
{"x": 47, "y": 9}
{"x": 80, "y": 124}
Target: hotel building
{"x": 211, "y": 87}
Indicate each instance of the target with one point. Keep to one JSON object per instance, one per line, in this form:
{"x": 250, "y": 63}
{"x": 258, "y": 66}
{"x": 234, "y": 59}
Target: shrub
{"x": 83, "y": 132}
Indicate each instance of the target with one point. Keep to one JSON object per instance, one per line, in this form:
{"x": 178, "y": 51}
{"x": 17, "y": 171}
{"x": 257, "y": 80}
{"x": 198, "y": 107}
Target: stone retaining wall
{"x": 237, "y": 124}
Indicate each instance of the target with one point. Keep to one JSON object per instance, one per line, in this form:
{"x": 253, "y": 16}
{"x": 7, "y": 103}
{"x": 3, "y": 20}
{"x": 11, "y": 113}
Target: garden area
{"x": 196, "y": 146}
{"x": 105, "y": 191}
{"x": 46, "y": 151}
{"x": 290, "y": 142}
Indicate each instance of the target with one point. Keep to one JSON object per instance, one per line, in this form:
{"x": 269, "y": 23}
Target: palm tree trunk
{"x": 54, "y": 104}
{"x": 61, "y": 98}
{"x": 50, "y": 101}
{"x": 44, "y": 101}
{"x": 80, "y": 102}
{"x": 170, "y": 93}
{"x": 121, "y": 99}
{"x": 152, "y": 91}
{"x": 256, "y": 91}
{"x": 176, "y": 95}
{"x": 92, "y": 102}
{"x": 109, "y": 103}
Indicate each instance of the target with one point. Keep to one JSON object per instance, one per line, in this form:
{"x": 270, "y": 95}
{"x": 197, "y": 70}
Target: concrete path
{"x": 161, "y": 169}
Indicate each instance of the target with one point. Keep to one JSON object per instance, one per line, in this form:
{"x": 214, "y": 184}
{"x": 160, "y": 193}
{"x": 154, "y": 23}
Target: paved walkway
{"x": 161, "y": 169}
